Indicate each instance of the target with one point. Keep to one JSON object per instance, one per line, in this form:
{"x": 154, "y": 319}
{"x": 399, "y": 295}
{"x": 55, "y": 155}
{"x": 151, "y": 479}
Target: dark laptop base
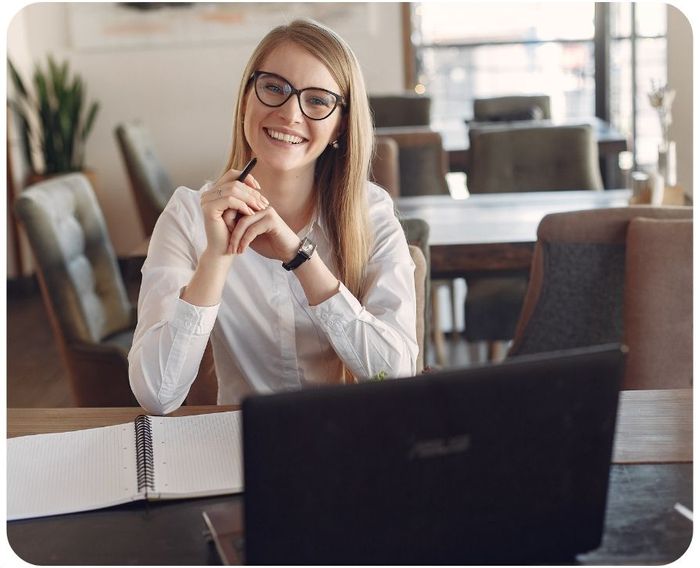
{"x": 502, "y": 464}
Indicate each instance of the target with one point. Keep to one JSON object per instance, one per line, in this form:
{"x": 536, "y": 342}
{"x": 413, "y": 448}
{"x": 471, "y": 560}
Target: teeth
{"x": 284, "y": 137}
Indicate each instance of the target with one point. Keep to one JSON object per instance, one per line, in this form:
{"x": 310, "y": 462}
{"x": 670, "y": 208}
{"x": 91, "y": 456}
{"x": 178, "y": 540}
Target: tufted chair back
{"x": 82, "y": 287}
{"x": 150, "y": 183}
{"x": 512, "y": 108}
{"x": 407, "y": 109}
{"x": 532, "y": 158}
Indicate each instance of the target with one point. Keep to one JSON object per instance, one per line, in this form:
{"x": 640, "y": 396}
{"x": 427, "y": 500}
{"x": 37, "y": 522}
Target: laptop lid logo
{"x": 439, "y": 447}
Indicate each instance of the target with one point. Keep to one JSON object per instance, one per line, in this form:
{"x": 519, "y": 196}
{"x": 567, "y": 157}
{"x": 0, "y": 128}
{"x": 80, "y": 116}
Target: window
{"x": 637, "y": 58}
{"x": 471, "y": 50}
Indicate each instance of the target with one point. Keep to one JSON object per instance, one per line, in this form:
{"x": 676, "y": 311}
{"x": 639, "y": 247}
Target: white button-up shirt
{"x": 265, "y": 336}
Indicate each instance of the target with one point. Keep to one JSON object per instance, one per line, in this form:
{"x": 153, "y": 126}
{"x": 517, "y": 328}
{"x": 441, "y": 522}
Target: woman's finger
{"x": 243, "y": 226}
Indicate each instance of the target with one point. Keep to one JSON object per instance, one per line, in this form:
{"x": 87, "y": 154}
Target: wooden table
{"x": 653, "y": 429}
{"x": 494, "y": 232}
{"x": 653, "y": 426}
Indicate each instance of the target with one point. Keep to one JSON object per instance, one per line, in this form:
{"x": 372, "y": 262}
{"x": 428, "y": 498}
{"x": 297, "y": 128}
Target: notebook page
{"x": 52, "y": 474}
{"x": 197, "y": 455}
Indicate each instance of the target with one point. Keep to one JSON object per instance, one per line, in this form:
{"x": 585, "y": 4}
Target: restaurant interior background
{"x": 177, "y": 70}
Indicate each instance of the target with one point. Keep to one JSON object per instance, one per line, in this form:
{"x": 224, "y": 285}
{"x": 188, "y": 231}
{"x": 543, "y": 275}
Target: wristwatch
{"x": 306, "y": 249}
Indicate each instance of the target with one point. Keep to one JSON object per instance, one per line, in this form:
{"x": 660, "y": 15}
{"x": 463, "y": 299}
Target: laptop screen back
{"x": 497, "y": 464}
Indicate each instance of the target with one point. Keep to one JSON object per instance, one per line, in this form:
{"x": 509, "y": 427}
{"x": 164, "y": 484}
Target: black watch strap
{"x": 306, "y": 249}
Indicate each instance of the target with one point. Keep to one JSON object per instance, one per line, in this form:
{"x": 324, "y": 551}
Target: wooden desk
{"x": 641, "y": 524}
{"x": 494, "y": 232}
{"x": 653, "y": 426}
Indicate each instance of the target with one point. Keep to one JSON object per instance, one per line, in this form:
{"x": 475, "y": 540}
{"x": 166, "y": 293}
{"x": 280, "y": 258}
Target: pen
{"x": 248, "y": 167}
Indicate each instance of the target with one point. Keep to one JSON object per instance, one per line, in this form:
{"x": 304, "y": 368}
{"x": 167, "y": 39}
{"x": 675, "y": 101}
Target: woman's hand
{"x": 267, "y": 234}
{"x": 227, "y": 201}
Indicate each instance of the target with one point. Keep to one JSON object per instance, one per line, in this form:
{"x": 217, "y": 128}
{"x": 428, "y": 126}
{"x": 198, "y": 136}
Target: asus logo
{"x": 439, "y": 447}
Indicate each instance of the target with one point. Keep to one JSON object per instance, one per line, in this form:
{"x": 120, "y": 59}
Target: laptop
{"x": 498, "y": 464}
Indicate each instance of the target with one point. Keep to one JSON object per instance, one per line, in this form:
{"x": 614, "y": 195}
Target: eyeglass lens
{"x": 274, "y": 91}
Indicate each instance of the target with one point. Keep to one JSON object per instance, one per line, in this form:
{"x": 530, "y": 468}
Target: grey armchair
{"x": 149, "y": 181}
{"x": 83, "y": 292}
{"x": 406, "y": 109}
{"x": 533, "y": 158}
{"x": 512, "y": 108}
{"x": 422, "y": 160}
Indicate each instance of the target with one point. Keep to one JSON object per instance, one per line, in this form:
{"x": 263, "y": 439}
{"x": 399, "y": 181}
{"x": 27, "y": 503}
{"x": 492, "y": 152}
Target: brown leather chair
{"x": 149, "y": 181}
{"x": 512, "y": 108}
{"x": 422, "y": 160}
{"x": 385, "y": 165}
{"x": 205, "y": 388}
{"x": 406, "y": 109}
{"x": 92, "y": 318}
{"x": 583, "y": 288}
{"x": 658, "y": 304}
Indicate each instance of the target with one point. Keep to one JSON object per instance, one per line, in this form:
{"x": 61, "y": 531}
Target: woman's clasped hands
{"x": 237, "y": 215}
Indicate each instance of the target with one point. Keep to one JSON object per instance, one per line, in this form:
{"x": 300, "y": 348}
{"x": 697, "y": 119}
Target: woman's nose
{"x": 291, "y": 110}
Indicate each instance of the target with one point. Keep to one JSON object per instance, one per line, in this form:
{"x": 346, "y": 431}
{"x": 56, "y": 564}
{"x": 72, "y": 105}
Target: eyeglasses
{"x": 315, "y": 103}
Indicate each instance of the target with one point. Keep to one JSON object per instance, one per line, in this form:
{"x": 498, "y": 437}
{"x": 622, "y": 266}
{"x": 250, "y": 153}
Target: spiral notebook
{"x": 151, "y": 458}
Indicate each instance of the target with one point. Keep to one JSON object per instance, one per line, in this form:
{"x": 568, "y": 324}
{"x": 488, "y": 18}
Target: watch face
{"x": 307, "y": 247}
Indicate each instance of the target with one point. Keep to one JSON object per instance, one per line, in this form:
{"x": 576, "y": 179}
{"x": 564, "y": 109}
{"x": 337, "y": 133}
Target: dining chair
{"x": 406, "y": 109}
{"x": 512, "y": 108}
{"x": 658, "y": 304}
{"x": 204, "y": 389}
{"x": 533, "y": 158}
{"x": 385, "y": 165}
{"x": 82, "y": 289}
{"x": 582, "y": 289}
{"x": 507, "y": 159}
{"x": 422, "y": 160}
{"x": 150, "y": 184}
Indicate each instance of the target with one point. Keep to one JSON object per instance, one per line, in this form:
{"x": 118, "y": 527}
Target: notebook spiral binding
{"x": 144, "y": 453}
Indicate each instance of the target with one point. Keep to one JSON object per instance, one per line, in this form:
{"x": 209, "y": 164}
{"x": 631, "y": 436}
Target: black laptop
{"x": 500, "y": 464}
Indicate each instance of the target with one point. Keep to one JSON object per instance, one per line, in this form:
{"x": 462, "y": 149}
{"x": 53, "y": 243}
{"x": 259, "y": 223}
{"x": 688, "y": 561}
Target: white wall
{"x": 185, "y": 95}
{"x": 680, "y": 78}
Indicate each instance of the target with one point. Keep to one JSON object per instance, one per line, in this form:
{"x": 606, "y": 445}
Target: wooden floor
{"x": 36, "y": 376}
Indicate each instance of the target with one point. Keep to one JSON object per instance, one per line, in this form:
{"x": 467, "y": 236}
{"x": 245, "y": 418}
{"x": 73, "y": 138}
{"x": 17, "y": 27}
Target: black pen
{"x": 248, "y": 167}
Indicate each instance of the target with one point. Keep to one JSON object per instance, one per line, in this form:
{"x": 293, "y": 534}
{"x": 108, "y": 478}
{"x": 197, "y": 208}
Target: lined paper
{"x": 51, "y": 474}
{"x": 197, "y": 455}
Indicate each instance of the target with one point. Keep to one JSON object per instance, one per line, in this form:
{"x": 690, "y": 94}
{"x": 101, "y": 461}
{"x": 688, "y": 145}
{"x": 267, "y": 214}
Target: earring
{"x": 334, "y": 144}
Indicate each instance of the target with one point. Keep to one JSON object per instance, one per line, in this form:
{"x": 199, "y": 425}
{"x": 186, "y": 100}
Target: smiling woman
{"x": 300, "y": 272}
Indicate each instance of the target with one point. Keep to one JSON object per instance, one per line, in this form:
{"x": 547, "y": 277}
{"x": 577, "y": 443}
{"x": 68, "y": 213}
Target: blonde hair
{"x": 341, "y": 174}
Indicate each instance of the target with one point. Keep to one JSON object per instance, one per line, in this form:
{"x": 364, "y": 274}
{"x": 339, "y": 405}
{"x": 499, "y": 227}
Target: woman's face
{"x": 282, "y": 137}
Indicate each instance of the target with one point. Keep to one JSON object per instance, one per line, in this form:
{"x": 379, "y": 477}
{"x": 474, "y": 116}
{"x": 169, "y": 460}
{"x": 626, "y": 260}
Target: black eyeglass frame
{"x": 339, "y": 99}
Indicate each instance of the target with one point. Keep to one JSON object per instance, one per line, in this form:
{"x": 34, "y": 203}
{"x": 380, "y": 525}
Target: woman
{"x": 216, "y": 263}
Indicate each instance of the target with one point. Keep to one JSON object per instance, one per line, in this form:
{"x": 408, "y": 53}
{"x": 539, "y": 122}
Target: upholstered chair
{"x": 512, "y": 108}
{"x": 150, "y": 184}
{"x": 385, "y": 165}
{"x": 512, "y": 159}
{"x": 92, "y": 318}
{"x": 533, "y": 158}
{"x": 422, "y": 160}
{"x": 406, "y": 109}
{"x": 658, "y": 304}
{"x": 585, "y": 290}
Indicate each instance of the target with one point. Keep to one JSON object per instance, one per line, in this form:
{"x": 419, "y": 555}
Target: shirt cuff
{"x": 194, "y": 320}
{"x": 338, "y": 310}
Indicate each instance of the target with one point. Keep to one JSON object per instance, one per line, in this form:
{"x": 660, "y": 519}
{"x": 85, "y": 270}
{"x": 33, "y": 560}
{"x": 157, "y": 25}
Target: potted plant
{"x": 55, "y": 120}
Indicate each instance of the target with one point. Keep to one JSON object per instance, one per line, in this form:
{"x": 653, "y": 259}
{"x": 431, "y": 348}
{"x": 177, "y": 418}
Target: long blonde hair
{"x": 341, "y": 173}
